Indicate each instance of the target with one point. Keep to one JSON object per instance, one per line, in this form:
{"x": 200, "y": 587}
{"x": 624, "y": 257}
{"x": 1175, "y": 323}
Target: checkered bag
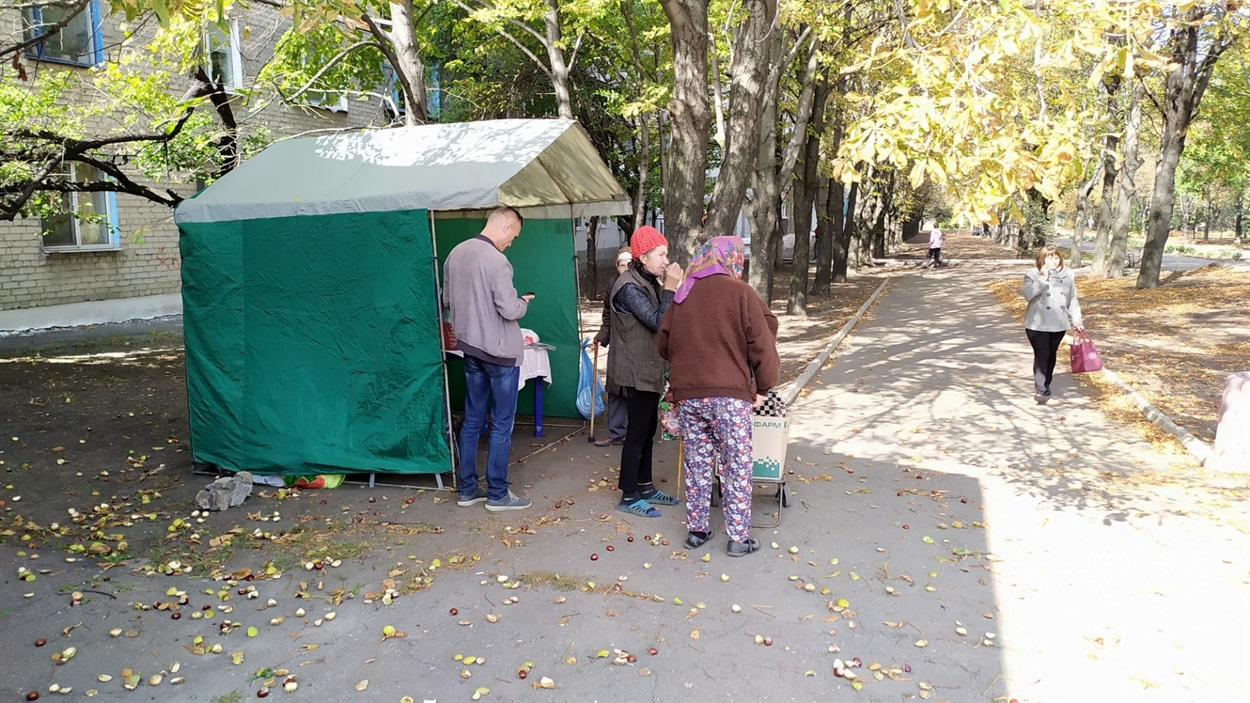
{"x": 773, "y": 405}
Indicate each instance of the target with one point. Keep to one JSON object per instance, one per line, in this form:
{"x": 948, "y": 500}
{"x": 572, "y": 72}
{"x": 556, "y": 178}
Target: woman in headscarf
{"x": 720, "y": 340}
{"x": 640, "y": 297}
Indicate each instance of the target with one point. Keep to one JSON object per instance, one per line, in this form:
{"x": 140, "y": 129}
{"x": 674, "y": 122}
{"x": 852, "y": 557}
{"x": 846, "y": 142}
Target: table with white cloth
{"x": 534, "y": 364}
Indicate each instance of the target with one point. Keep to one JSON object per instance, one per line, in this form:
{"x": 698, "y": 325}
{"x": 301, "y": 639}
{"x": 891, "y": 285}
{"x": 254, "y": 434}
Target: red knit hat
{"x": 644, "y": 239}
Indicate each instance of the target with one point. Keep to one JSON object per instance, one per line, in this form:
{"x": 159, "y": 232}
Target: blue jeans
{"x": 483, "y": 379}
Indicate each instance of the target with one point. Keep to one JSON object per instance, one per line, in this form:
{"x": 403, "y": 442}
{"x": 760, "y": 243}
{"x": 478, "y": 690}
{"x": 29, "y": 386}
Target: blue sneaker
{"x": 511, "y": 501}
{"x": 478, "y": 496}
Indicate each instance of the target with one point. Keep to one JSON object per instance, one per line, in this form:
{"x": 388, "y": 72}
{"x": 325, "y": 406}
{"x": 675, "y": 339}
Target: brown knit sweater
{"x": 717, "y": 341}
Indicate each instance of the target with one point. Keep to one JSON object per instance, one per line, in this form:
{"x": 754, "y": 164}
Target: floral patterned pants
{"x": 713, "y": 428}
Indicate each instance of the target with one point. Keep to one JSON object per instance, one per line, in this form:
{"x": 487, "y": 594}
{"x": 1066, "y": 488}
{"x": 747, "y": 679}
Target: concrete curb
{"x": 813, "y": 367}
{"x": 1199, "y": 449}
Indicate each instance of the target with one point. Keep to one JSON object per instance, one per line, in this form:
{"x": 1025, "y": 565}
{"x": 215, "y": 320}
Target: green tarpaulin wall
{"x": 312, "y": 344}
{"x": 543, "y": 262}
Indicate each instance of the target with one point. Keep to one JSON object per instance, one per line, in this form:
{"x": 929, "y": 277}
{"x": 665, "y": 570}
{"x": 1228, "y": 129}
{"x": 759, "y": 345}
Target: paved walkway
{"x": 969, "y": 543}
{"x": 1103, "y": 588}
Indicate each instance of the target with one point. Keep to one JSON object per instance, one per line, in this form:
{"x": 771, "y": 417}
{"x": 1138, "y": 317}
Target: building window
{"x": 87, "y": 221}
{"x": 225, "y": 63}
{"x": 79, "y": 42}
{"x": 331, "y": 100}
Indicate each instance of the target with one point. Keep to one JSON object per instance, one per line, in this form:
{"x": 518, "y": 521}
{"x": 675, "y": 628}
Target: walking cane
{"x": 594, "y": 391}
{"x": 681, "y": 465}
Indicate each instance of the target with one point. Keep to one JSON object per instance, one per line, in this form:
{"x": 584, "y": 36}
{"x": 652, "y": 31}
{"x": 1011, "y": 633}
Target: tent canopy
{"x": 309, "y": 284}
{"x": 544, "y": 168}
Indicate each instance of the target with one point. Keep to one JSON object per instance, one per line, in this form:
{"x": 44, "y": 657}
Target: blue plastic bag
{"x": 588, "y": 385}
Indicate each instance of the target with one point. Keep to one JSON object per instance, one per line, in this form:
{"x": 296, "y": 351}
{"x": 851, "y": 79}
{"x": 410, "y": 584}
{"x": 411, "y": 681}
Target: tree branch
{"x": 329, "y": 65}
{"x": 507, "y": 35}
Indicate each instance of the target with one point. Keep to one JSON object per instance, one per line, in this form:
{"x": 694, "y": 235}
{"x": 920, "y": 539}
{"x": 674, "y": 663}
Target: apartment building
{"x": 124, "y": 262}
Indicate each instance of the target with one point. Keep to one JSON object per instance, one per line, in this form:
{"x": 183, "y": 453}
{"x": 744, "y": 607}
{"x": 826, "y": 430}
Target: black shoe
{"x": 741, "y": 549}
{"x": 694, "y": 540}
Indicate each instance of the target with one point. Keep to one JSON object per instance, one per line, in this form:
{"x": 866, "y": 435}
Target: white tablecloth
{"x": 535, "y": 364}
{"x": 534, "y": 361}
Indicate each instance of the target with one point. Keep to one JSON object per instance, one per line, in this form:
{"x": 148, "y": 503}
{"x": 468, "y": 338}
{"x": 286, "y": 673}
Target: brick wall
{"x": 148, "y": 262}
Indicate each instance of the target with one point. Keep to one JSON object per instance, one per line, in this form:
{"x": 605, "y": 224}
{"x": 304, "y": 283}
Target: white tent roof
{"x": 544, "y": 168}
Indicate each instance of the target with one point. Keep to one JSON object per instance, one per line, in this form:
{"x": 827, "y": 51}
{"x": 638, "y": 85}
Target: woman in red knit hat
{"x": 640, "y": 297}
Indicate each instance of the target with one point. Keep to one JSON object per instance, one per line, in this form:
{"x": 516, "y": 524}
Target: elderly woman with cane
{"x": 720, "y": 340}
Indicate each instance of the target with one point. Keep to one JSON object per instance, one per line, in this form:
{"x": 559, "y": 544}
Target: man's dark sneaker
{"x": 478, "y": 496}
{"x": 511, "y": 501}
{"x": 741, "y": 549}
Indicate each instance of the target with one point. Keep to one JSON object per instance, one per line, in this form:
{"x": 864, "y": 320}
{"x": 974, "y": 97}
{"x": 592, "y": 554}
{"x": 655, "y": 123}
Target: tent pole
{"x": 438, "y": 312}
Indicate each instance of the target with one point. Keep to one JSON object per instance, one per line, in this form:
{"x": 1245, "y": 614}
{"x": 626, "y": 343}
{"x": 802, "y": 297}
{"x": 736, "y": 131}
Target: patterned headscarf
{"x": 719, "y": 255}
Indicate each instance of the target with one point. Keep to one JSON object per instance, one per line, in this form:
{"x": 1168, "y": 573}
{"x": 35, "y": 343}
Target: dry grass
{"x": 1175, "y": 344}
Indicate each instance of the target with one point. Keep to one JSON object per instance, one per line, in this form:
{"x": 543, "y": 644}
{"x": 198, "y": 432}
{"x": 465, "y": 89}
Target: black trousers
{"x": 643, "y": 409}
{"x": 935, "y": 255}
{"x": 1045, "y": 349}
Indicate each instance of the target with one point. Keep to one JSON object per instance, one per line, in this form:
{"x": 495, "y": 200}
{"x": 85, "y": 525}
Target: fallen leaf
{"x": 362, "y": 684}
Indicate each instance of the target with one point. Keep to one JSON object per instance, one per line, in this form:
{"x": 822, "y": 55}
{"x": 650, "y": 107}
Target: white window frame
{"x": 72, "y": 202}
{"x": 234, "y": 81}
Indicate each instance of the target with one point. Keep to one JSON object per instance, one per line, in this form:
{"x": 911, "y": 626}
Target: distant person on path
{"x": 721, "y": 341}
{"x": 640, "y": 297}
{"x": 484, "y": 309}
{"x": 935, "y": 247}
{"x": 1050, "y": 289}
{"x": 616, "y": 404}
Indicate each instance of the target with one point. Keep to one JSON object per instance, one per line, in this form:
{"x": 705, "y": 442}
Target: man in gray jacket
{"x": 477, "y": 287}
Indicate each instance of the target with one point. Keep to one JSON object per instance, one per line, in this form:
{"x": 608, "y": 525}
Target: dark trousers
{"x": 494, "y": 387}
{"x": 935, "y": 256}
{"x": 617, "y": 416}
{"x": 643, "y": 409}
{"x": 1045, "y": 349}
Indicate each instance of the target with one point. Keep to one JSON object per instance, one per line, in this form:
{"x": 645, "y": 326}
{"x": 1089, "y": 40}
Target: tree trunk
{"x": 883, "y": 225}
{"x": 1241, "y": 206}
{"x": 686, "y": 170}
{"x": 805, "y": 188}
{"x": 592, "y": 258}
{"x": 409, "y": 69}
{"x": 1126, "y": 187}
{"x": 760, "y": 209}
{"x": 644, "y": 163}
{"x": 1206, "y": 225}
{"x": 796, "y": 302}
{"x": 1075, "y": 260}
{"x": 1183, "y": 91}
{"x": 824, "y": 237}
{"x": 844, "y": 227}
{"x": 748, "y": 86}
{"x": 1110, "y": 176}
{"x": 644, "y": 138}
{"x": 555, "y": 56}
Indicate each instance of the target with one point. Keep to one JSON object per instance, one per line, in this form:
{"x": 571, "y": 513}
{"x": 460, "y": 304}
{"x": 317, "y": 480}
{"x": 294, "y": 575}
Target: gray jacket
{"x": 1053, "y": 306}
{"x": 477, "y": 286}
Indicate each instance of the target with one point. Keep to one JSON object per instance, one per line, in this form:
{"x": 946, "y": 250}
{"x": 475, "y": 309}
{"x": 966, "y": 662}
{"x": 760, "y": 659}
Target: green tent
{"x": 310, "y": 278}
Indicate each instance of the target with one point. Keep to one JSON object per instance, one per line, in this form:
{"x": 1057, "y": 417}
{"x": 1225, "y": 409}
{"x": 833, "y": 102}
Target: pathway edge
{"x": 813, "y": 366}
{"x": 1199, "y": 449}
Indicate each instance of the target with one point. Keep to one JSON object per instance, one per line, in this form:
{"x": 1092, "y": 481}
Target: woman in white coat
{"x": 1053, "y": 308}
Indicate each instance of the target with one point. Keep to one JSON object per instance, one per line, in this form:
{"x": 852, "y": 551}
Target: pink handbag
{"x": 1084, "y": 355}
